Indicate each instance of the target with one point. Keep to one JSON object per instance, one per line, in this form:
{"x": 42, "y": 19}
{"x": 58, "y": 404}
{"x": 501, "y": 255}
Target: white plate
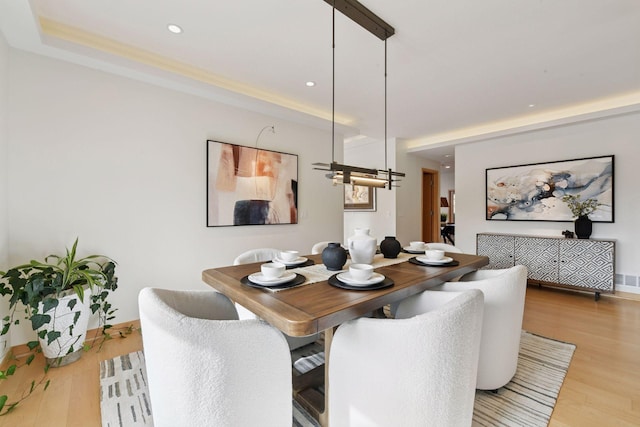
{"x": 413, "y": 251}
{"x": 346, "y": 278}
{"x": 299, "y": 260}
{"x": 425, "y": 260}
{"x": 261, "y": 280}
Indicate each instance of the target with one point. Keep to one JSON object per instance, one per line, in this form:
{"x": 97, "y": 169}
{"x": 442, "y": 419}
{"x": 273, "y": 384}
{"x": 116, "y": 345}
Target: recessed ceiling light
{"x": 532, "y": 105}
{"x": 175, "y": 29}
{"x": 447, "y": 167}
{"x": 310, "y": 83}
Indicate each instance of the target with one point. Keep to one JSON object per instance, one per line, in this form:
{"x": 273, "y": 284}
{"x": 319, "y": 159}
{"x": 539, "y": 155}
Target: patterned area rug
{"x": 124, "y": 397}
{"x": 527, "y": 400}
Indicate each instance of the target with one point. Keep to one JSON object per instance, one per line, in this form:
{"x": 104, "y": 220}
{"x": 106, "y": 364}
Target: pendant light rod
{"x": 333, "y": 84}
{"x": 385, "y": 105}
{"x": 362, "y": 16}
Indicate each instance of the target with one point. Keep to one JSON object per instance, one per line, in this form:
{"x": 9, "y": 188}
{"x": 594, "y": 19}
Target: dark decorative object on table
{"x": 583, "y": 227}
{"x": 581, "y": 211}
{"x": 334, "y": 256}
{"x": 390, "y": 247}
{"x": 568, "y": 234}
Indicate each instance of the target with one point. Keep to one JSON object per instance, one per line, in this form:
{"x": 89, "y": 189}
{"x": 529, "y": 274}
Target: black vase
{"x": 583, "y": 226}
{"x": 390, "y": 247}
{"x": 334, "y": 256}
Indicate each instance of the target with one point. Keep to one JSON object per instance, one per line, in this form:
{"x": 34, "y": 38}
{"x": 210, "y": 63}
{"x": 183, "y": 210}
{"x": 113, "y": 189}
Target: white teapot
{"x": 362, "y": 247}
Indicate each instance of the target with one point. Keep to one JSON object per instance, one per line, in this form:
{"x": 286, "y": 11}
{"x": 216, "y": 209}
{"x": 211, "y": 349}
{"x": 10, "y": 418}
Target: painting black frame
{"x": 230, "y": 161}
{"x": 593, "y": 177}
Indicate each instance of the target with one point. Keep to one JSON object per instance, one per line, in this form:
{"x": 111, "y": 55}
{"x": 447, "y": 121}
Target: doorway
{"x": 430, "y": 205}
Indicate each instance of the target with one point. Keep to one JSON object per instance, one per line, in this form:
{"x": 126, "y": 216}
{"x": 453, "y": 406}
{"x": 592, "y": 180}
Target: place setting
{"x": 273, "y": 276}
{"x": 416, "y": 248}
{"x": 360, "y": 277}
{"x": 434, "y": 258}
{"x": 292, "y": 259}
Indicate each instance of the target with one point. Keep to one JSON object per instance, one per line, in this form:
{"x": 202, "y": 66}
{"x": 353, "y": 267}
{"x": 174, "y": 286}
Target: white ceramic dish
{"x": 425, "y": 260}
{"x": 346, "y": 278}
{"x": 412, "y": 251}
{"x": 261, "y": 280}
{"x": 289, "y": 255}
{"x": 299, "y": 260}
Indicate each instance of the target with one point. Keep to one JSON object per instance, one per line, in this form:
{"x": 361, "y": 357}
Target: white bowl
{"x": 416, "y": 246}
{"x": 272, "y": 270}
{"x": 289, "y": 255}
{"x": 360, "y": 272}
{"x": 434, "y": 254}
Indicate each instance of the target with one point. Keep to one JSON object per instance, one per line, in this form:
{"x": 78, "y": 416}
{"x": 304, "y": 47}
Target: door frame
{"x": 435, "y": 204}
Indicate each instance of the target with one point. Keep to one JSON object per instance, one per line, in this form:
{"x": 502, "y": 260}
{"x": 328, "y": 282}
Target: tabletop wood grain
{"x": 319, "y": 306}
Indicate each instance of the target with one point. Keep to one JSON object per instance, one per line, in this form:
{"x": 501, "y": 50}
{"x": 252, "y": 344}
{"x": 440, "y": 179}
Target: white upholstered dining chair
{"x": 318, "y": 247}
{"x": 205, "y": 367}
{"x": 267, "y": 254}
{"x": 256, "y": 255}
{"x": 418, "y": 370}
{"x": 504, "y": 296}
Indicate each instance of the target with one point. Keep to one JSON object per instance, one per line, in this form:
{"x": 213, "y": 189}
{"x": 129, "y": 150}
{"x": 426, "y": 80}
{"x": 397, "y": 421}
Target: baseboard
{"x": 92, "y": 335}
{"x": 627, "y": 292}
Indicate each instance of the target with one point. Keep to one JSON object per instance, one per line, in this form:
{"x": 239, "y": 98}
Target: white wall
{"x": 382, "y": 222}
{"x": 615, "y": 135}
{"x": 409, "y": 195}
{"x": 4, "y": 225}
{"x": 121, "y": 164}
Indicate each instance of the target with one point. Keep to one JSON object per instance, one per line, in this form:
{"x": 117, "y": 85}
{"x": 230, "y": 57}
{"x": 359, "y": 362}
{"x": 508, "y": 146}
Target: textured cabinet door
{"x": 587, "y": 264}
{"x": 540, "y": 256}
{"x": 499, "y": 249}
{"x": 582, "y": 264}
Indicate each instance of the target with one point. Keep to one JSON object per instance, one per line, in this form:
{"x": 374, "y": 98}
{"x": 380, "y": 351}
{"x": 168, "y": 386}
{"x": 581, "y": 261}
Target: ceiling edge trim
{"x": 609, "y": 107}
{"x": 80, "y": 37}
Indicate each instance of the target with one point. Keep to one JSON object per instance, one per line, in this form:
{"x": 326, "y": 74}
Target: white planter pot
{"x": 72, "y": 336}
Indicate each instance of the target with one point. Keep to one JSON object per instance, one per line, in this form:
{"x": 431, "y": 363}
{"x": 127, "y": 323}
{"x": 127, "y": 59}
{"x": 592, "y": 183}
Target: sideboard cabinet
{"x": 583, "y": 264}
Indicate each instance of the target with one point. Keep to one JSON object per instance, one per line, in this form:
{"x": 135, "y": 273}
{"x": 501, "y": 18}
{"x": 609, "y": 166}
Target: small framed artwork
{"x": 250, "y": 186}
{"x": 534, "y": 192}
{"x": 359, "y": 198}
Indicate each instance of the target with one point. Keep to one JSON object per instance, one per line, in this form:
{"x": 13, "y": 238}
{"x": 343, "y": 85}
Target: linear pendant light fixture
{"x": 355, "y": 175}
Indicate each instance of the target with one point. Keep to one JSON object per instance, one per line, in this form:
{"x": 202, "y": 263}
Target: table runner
{"x": 319, "y": 273}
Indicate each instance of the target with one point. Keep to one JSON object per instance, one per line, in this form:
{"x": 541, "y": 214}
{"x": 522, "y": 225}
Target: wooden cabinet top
{"x": 544, "y": 237}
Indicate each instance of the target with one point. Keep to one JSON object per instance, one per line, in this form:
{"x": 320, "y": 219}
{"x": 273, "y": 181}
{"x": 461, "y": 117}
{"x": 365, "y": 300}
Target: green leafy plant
{"x": 580, "y": 208}
{"x": 34, "y": 291}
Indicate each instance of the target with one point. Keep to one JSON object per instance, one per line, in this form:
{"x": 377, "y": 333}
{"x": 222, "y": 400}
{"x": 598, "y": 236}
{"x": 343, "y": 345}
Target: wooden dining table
{"x": 321, "y": 307}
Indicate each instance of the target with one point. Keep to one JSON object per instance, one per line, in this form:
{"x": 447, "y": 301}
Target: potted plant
{"x": 57, "y": 297}
{"x": 581, "y": 210}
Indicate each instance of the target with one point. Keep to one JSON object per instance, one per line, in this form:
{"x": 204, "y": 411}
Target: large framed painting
{"x": 250, "y": 186}
{"x": 534, "y": 192}
{"x": 359, "y": 198}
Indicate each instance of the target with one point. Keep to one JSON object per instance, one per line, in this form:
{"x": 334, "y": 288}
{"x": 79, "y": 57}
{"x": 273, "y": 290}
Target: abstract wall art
{"x": 534, "y": 192}
{"x": 359, "y": 198}
{"x": 250, "y": 186}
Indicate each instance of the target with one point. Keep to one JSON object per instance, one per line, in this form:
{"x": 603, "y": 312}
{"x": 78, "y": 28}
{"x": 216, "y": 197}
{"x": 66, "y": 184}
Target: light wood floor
{"x": 602, "y": 387}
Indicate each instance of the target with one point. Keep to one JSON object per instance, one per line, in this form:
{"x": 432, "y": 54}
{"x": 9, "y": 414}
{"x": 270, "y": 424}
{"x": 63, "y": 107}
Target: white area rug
{"x": 527, "y": 400}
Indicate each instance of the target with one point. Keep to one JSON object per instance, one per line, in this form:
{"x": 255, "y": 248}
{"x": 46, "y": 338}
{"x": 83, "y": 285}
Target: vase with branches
{"x": 581, "y": 209}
